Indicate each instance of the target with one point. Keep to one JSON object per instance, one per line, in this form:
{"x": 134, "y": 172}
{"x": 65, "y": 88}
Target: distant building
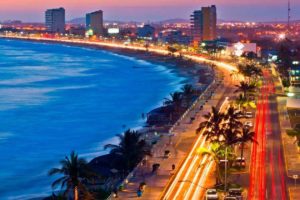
{"x": 204, "y": 24}
{"x": 174, "y": 37}
{"x": 146, "y": 32}
{"x": 94, "y": 22}
{"x": 55, "y": 20}
{"x": 293, "y": 100}
{"x": 295, "y": 74}
{"x": 78, "y": 31}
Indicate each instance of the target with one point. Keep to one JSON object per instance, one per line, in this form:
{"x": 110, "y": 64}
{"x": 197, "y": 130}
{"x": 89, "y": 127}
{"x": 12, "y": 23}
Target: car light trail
{"x": 259, "y": 187}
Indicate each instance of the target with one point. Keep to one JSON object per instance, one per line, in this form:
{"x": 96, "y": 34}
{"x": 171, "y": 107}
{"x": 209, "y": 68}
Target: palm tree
{"x": 244, "y": 102}
{"x": 130, "y": 150}
{"x": 250, "y": 71}
{"x": 211, "y": 125}
{"x": 216, "y": 155}
{"x": 74, "y": 171}
{"x": 231, "y": 118}
{"x": 187, "y": 92}
{"x": 176, "y": 100}
{"x": 245, "y": 136}
{"x": 229, "y": 136}
{"x": 245, "y": 88}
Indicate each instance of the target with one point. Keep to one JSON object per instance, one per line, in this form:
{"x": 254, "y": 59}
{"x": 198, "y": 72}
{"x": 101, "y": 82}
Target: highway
{"x": 191, "y": 180}
{"x": 267, "y": 171}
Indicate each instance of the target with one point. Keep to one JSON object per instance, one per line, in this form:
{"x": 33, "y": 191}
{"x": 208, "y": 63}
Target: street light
{"x": 295, "y": 177}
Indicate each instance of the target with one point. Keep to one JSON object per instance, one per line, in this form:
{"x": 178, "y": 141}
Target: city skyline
{"x": 151, "y": 11}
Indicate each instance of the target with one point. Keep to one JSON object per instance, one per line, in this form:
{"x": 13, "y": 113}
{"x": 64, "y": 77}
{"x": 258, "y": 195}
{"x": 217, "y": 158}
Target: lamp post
{"x": 295, "y": 177}
{"x": 225, "y": 187}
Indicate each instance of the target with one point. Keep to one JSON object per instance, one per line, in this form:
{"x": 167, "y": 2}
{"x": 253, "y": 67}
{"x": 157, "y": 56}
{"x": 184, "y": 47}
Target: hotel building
{"x": 204, "y": 24}
{"x": 94, "y": 23}
{"x": 55, "y": 20}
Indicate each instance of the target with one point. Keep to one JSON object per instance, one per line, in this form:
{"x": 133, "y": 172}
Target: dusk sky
{"x": 152, "y": 10}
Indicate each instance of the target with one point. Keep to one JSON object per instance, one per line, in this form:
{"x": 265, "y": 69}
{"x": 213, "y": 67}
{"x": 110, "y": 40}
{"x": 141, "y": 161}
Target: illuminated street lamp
{"x": 282, "y": 36}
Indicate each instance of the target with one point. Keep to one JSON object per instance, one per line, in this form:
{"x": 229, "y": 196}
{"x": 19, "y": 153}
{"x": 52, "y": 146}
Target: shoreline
{"x": 190, "y": 71}
{"x": 199, "y": 74}
{"x": 141, "y": 54}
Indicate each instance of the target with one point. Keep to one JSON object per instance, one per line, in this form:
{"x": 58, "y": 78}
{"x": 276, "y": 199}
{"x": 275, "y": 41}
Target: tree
{"x": 231, "y": 118}
{"x": 130, "y": 150}
{"x": 250, "y": 71}
{"x": 215, "y": 154}
{"x": 211, "y": 125}
{"x": 245, "y": 136}
{"x": 187, "y": 92}
{"x": 245, "y": 88}
{"x": 243, "y": 102}
{"x": 74, "y": 171}
{"x": 175, "y": 100}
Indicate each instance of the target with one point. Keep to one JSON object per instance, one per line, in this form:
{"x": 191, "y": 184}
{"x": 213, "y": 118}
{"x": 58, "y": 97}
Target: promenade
{"x": 179, "y": 144}
{"x": 290, "y": 149}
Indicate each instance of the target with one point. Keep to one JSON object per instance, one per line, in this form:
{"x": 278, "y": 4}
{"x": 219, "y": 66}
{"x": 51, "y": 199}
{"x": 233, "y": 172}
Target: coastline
{"x": 141, "y": 54}
{"x": 190, "y": 70}
{"x": 200, "y": 74}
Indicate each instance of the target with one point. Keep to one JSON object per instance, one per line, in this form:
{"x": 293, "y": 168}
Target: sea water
{"x": 56, "y": 98}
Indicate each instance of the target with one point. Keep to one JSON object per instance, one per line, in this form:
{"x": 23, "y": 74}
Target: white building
{"x": 238, "y": 49}
{"x": 55, "y": 20}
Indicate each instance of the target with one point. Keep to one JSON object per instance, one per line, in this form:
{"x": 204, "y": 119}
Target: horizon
{"x": 134, "y": 11}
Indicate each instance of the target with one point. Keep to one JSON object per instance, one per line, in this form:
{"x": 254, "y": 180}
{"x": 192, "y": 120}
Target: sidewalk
{"x": 290, "y": 149}
{"x": 179, "y": 145}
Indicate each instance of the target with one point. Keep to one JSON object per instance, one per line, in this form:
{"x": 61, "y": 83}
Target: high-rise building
{"x": 94, "y": 22}
{"x": 55, "y": 20}
{"x": 204, "y": 24}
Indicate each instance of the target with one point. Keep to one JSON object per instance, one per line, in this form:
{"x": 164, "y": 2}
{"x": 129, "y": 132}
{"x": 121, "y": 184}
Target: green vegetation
{"x": 250, "y": 71}
{"x": 246, "y": 88}
{"x": 294, "y": 133}
{"x": 130, "y": 150}
{"x": 74, "y": 171}
{"x": 225, "y": 131}
{"x": 243, "y": 102}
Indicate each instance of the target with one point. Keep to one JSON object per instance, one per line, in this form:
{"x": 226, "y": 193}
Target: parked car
{"x": 240, "y": 162}
{"x": 236, "y": 192}
{"x": 249, "y": 124}
{"x": 248, "y": 115}
{"x": 228, "y": 197}
{"x": 211, "y": 194}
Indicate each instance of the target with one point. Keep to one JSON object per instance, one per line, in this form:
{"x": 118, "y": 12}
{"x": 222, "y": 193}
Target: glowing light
{"x": 113, "y": 30}
{"x": 290, "y": 94}
{"x": 88, "y": 33}
{"x": 282, "y": 36}
{"x": 239, "y": 49}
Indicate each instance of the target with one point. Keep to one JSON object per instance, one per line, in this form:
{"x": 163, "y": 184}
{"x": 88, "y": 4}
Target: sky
{"x": 150, "y": 10}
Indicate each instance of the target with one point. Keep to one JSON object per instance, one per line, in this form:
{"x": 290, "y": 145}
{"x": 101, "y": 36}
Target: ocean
{"x": 56, "y": 98}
